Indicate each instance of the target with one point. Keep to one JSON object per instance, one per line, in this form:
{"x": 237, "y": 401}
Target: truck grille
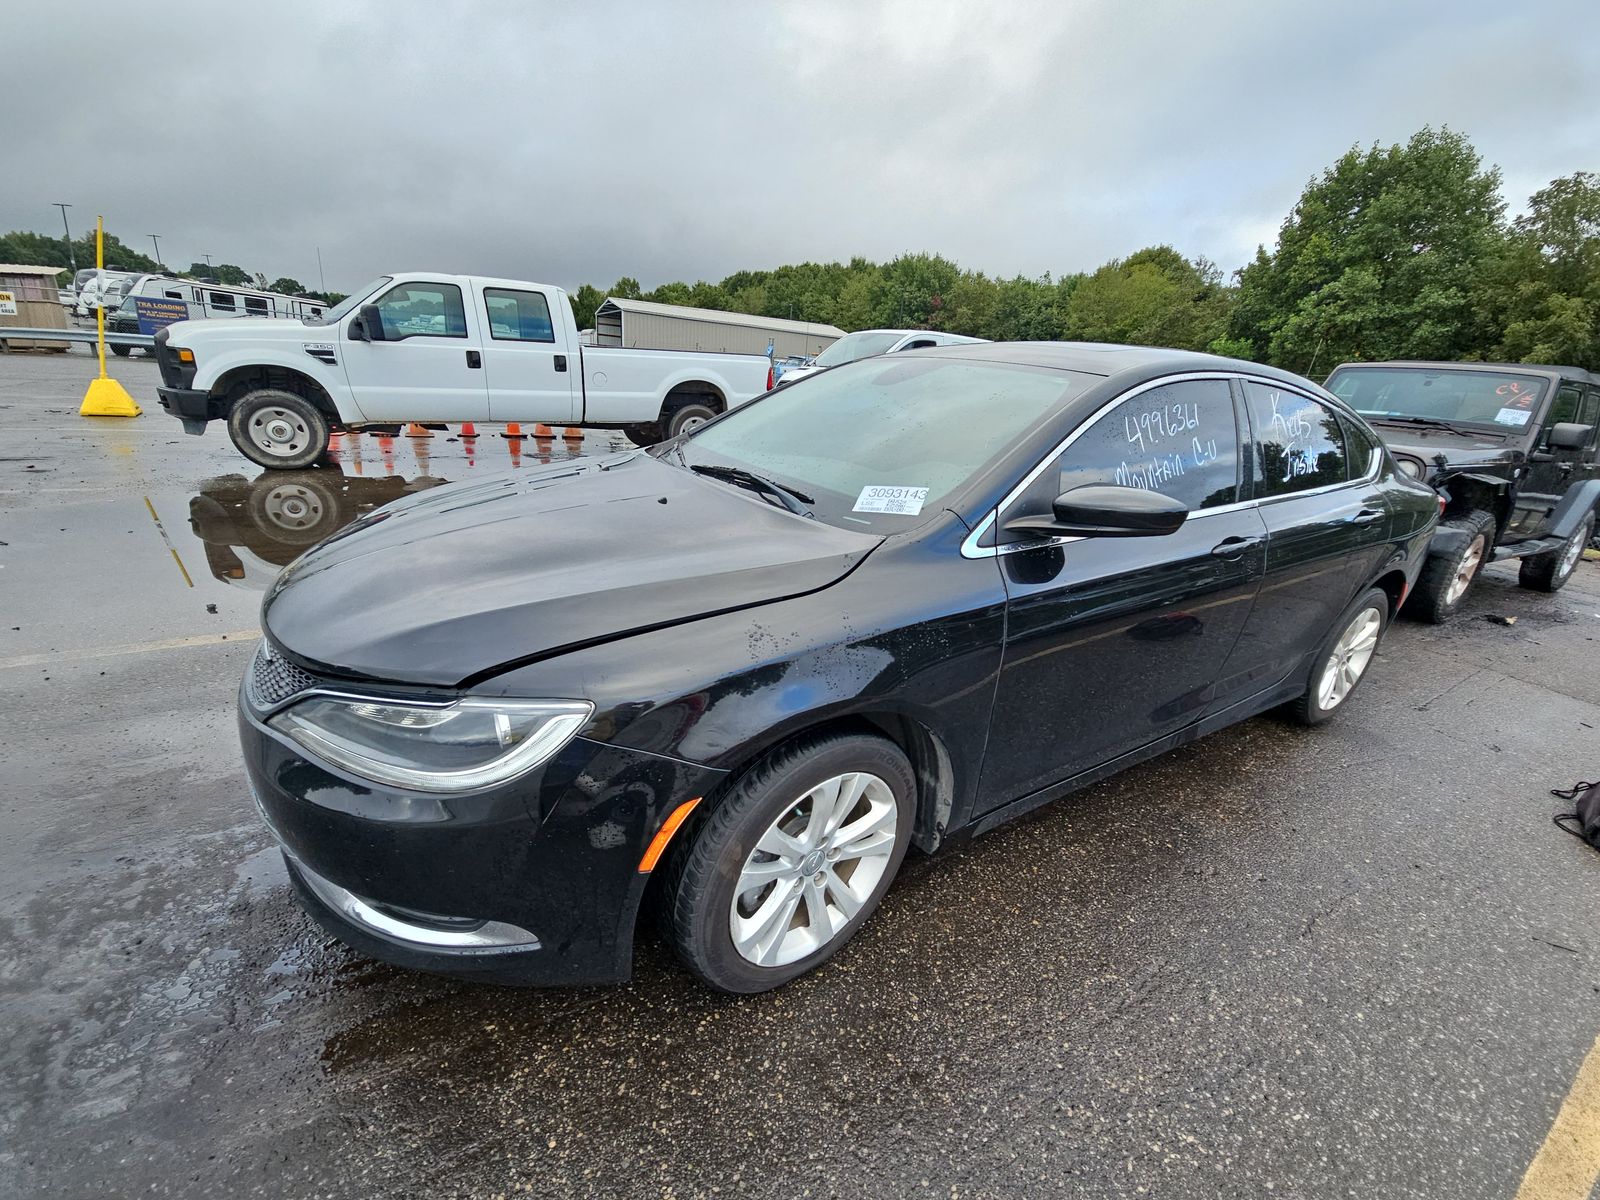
{"x": 274, "y": 679}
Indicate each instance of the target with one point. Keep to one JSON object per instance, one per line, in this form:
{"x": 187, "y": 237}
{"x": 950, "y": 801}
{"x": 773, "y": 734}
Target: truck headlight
{"x": 450, "y": 747}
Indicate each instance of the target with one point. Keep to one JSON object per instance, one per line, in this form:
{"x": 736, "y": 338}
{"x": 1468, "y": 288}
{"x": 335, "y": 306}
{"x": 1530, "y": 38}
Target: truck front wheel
{"x": 278, "y": 429}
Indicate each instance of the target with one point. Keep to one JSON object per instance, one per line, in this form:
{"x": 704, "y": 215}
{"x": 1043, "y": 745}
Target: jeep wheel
{"x": 278, "y": 429}
{"x": 1447, "y": 578}
{"x": 1547, "y": 572}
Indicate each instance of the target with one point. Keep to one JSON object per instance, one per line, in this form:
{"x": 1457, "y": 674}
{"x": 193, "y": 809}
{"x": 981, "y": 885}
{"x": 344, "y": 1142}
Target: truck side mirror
{"x": 368, "y": 325}
{"x": 1567, "y": 435}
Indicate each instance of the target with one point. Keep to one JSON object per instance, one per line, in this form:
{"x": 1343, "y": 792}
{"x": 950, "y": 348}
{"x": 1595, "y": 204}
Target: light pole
{"x": 157, "y": 241}
{"x": 71, "y": 257}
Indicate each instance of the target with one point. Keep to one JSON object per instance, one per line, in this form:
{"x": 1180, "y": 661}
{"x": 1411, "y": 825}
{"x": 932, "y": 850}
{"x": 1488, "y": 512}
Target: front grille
{"x": 274, "y": 679}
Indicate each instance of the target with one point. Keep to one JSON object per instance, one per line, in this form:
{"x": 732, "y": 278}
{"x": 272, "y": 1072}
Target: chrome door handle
{"x": 1368, "y": 516}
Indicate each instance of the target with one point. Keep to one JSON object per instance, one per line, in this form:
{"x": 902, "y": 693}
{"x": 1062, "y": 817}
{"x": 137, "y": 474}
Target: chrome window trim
{"x": 971, "y": 549}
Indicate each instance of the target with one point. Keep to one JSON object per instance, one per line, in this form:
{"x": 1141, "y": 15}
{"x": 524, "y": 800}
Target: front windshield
{"x": 880, "y": 444}
{"x": 1457, "y": 397}
{"x": 855, "y": 346}
{"x": 333, "y": 315}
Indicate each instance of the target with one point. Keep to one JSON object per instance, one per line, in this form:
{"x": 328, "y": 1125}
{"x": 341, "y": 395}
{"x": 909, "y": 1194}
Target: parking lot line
{"x": 1568, "y": 1164}
{"x": 203, "y": 639}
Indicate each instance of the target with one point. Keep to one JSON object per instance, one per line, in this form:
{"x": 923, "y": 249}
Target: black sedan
{"x": 893, "y": 605}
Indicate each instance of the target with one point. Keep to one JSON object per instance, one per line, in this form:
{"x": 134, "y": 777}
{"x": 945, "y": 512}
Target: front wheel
{"x": 1548, "y": 572}
{"x": 278, "y": 429}
{"x": 791, "y": 862}
{"x": 121, "y": 351}
{"x": 1446, "y": 579}
{"x": 1342, "y": 662}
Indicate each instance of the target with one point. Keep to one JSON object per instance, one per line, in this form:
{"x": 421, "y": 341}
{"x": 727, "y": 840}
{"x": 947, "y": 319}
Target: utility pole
{"x": 321, "y": 278}
{"x": 157, "y": 241}
{"x": 71, "y": 257}
{"x": 207, "y": 257}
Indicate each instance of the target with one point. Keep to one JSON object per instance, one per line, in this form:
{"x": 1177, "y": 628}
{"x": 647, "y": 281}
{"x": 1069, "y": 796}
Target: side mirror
{"x": 368, "y": 325}
{"x": 1104, "y": 510}
{"x": 1567, "y": 435}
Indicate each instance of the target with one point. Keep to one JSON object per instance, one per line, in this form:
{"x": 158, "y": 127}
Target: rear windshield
{"x": 1500, "y": 399}
{"x": 856, "y": 346}
{"x": 881, "y": 444}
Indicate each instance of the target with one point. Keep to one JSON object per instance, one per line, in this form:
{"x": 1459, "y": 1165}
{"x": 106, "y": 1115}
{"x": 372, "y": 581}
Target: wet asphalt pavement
{"x": 1356, "y": 961}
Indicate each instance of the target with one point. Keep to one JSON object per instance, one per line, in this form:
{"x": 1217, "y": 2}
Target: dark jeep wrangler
{"x": 1511, "y": 451}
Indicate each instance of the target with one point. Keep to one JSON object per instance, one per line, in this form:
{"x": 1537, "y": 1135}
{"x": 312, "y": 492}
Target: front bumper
{"x": 187, "y": 404}
{"x": 533, "y": 882}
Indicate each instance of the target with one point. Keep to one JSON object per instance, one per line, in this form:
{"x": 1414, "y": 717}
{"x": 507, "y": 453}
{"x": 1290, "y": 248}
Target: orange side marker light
{"x": 658, "y": 844}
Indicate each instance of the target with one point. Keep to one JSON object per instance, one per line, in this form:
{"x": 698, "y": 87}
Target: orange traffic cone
{"x": 415, "y": 430}
{"x": 515, "y": 446}
{"x": 543, "y": 431}
{"x": 468, "y": 432}
{"x": 513, "y": 431}
{"x": 573, "y": 434}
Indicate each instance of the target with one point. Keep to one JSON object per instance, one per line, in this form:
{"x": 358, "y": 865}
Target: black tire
{"x": 698, "y": 891}
{"x": 1549, "y": 572}
{"x": 642, "y": 435}
{"x": 278, "y": 429}
{"x": 685, "y": 414}
{"x": 1431, "y": 600}
{"x": 121, "y": 351}
{"x": 1310, "y": 708}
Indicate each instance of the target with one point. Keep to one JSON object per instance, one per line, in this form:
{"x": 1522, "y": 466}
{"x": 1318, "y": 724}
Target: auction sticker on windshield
{"x": 1512, "y": 416}
{"x": 884, "y": 498}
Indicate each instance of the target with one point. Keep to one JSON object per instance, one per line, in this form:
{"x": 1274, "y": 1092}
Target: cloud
{"x": 574, "y": 144}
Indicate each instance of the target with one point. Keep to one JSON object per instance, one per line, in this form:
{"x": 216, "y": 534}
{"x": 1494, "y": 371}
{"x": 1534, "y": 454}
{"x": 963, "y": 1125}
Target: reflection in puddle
{"x": 252, "y": 528}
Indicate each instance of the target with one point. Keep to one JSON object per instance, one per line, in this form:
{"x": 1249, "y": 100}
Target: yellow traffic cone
{"x": 105, "y": 397}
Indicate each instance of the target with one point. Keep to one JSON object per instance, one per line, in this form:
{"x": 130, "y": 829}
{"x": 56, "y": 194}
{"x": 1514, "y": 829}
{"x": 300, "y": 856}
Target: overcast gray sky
{"x": 577, "y": 143}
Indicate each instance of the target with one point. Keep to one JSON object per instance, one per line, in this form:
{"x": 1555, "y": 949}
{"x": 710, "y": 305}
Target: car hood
{"x": 442, "y": 588}
{"x": 254, "y": 328}
{"x": 1460, "y": 450}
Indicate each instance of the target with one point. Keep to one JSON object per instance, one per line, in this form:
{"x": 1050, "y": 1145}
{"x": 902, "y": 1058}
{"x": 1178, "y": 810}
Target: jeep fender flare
{"x": 1580, "y": 500}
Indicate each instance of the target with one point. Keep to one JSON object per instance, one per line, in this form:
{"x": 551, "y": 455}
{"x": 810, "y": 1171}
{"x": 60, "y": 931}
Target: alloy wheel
{"x": 814, "y": 869}
{"x": 1348, "y": 662}
{"x": 1571, "y": 552}
{"x": 1470, "y": 562}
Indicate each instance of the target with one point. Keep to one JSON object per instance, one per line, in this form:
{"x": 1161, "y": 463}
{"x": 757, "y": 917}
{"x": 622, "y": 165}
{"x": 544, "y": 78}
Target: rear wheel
{"x": 121, "y": 351}
{"x": 1446, "y": 579}
{"x": 642, "y": 435}
{"x": 686, "y": 415}
{"x": 1548, "y": 572}
{"x": 278, "y": 429}
{"x": 791, "y": 862}
{"x": 1343, "y": 660}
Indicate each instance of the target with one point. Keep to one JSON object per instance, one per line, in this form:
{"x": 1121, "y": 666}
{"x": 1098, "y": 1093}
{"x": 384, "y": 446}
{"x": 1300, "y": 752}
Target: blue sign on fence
{"x": 157, "y": 314}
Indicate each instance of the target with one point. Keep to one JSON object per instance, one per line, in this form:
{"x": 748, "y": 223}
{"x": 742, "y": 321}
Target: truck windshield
{"x": 854, "y": 346}
{"x": 1495, "y": 398}
{"x": 337, "y": 312}
{"x": 881, "y": 444}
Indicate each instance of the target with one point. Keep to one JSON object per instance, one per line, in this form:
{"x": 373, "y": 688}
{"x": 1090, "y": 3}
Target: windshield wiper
{"x": 1436, "y": 422}
{"x": 786, "y": 497}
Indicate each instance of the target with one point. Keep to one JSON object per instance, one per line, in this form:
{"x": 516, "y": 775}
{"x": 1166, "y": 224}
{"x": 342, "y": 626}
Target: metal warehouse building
{"x": 643, "y": 325}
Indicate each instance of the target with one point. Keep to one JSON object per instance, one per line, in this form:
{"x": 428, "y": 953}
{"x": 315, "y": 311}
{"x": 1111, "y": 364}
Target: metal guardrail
{"x": 145, "y": 340}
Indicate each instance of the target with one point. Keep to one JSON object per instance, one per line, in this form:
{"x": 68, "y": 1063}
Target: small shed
{"x": 33, "y": 294}
{"x": 645, "y": 325}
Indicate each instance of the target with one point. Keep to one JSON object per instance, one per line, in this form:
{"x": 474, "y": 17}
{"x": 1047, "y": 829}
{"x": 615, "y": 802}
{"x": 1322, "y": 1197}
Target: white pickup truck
{"x": 418, "y": 346}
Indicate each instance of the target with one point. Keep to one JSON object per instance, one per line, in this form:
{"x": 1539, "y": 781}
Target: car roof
{"x": 1108, "y": 359}
{"x": 1577, "y": 373}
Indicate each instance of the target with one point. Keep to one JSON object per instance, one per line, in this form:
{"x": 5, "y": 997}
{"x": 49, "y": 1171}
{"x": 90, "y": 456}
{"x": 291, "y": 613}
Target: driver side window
{"x": 1180, "y": 439}
{"x": 422, "y": 310}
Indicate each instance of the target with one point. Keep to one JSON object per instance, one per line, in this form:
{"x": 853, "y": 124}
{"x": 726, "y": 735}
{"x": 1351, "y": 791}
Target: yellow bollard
{"x": 105, "y": 397}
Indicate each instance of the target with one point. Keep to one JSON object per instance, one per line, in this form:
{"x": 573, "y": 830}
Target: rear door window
{"x": 517, "y": 316}
{"x": 1298, "y": 443}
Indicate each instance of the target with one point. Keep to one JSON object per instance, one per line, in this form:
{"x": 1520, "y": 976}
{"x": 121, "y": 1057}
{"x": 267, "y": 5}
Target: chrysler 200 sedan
{"x": 898, "y": 606}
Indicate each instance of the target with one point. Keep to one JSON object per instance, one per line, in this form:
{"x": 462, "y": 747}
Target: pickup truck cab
{"x": 425, "y": 347}
{"x": 1511, "y": 451}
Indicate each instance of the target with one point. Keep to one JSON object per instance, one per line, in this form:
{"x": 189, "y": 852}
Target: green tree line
{"x": 1400, "y": 251}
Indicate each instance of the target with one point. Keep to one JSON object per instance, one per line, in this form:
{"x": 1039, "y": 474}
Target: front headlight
{"x": 449, "y": 747}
